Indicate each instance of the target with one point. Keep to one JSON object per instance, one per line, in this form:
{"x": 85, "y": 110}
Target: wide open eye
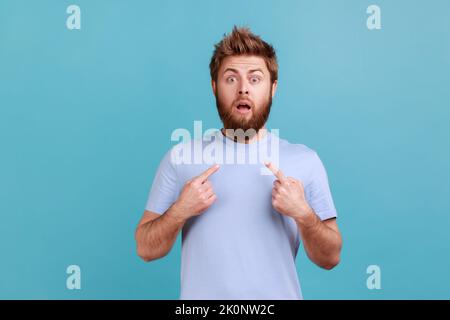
{"x": 231, "y": 79}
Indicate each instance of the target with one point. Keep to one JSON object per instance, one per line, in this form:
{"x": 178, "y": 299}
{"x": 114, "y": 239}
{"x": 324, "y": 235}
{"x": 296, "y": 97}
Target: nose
{"x": 243, "y": 89}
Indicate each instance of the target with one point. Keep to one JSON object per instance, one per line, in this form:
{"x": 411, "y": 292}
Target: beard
{"x": 231, "y": 120}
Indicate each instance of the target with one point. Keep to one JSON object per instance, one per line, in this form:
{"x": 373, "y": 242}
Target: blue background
{"x": 85, "y": 116}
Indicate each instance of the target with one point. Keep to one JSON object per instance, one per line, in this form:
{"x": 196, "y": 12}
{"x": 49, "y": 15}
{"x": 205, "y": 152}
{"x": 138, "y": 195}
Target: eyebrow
{"x": 250, "y": 71}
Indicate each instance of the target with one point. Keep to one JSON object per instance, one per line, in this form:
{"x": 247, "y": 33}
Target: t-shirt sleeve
{"x": 164, "y": 190}
{"x": 318, "y": 191}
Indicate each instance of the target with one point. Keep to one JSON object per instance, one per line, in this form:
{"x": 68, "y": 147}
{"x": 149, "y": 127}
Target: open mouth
{"x": 243, "y": 108}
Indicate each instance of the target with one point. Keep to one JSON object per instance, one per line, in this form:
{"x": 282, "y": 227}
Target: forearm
{"x": 322, "y": 243}
{"x": 155, "y": 238}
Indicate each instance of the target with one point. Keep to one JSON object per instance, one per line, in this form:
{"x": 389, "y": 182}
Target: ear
{"x": 274, "y": 87}
{"x": 213, "y": 84}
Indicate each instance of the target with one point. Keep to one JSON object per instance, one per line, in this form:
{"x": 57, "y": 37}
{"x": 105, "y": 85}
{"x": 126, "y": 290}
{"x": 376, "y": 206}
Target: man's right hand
{"x": 197, "y": 195}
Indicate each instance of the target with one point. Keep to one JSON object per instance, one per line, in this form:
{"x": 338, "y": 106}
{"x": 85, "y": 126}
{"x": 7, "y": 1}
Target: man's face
{"x": 243, "y": 92}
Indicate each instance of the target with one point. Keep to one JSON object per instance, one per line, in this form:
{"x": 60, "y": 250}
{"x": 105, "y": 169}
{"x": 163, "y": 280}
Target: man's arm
{"x": 321, "y": 239}
{"x": 156, "y": 234}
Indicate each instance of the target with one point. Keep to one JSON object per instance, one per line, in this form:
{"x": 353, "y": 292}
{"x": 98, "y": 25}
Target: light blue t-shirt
{"x": 240, "y": 247}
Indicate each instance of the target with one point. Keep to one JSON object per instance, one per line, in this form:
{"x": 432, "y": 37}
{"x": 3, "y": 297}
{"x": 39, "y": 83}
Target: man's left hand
{"x": 288, "y": 195}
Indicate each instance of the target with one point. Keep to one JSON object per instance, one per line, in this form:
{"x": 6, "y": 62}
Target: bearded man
{"x": 241, "y": 229}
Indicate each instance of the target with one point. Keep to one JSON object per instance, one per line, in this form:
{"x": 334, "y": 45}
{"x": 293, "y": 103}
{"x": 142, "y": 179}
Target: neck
{"x": 247, "y": 139}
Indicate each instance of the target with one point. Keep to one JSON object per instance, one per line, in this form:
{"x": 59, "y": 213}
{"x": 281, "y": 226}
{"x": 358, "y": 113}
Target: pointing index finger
{"x": 277, "y": 172}
{"x": 205, "y": 175}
